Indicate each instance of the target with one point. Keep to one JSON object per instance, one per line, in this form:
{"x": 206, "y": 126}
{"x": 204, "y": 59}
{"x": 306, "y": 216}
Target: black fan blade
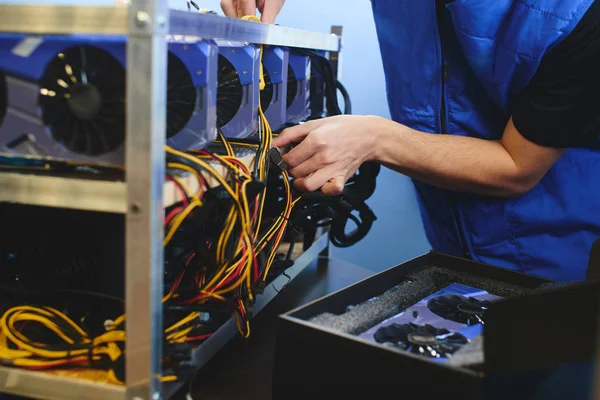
{"x": 425, "y": 340}
{"x": 181, "y": 96}
{"x": 461, "y": 309}
{"x": 82, "y": 99}
{"x": 229, "y": 92}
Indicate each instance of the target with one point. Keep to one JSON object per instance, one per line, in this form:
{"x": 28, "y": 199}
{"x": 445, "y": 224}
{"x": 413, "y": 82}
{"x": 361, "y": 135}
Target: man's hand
{"x": 332, "y": 149}
{"x": 330, "y": 152}
{"x": 269, "y": 9}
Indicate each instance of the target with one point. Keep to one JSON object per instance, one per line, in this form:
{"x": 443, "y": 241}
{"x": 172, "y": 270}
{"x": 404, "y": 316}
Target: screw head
{"x": 135, "y": 208}
{"x": 142, "y": 18}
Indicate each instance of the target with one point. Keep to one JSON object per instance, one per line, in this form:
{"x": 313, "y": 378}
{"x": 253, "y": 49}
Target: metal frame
{"x": 146, "y": 23}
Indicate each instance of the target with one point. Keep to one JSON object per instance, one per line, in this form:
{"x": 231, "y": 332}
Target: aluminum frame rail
{"x": 146, "y": 23}
{"x": 50, "y": 19}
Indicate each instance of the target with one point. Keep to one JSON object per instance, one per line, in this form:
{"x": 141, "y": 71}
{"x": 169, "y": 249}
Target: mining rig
{"x": 72, "y": 151}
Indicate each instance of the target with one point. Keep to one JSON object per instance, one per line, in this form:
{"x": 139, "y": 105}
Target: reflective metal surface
{"x": 52, "y": 19}
{"x": 49, "y": 191}
{"x": 145, "y": 166}
{"x": 214, "y": 26}
{"x": 39, "y": 385}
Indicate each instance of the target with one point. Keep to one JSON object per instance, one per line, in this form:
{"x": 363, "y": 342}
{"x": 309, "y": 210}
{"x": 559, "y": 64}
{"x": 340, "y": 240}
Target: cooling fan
{"x": 425, "y": 340}
{"x": 457, "y": 308}
{"x": 66, "y": 97}
{"x": 272, "y": 97}
{"x": 298, "y": 90}
{"x": 317, "y": 90}
{"x": 238, "y": 89}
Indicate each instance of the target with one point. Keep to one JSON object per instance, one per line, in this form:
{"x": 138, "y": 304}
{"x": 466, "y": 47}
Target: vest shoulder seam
{"x": 549, "y": 13}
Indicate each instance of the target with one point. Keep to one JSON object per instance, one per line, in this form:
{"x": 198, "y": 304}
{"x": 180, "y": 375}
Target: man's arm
{"x": 504, "y": 168}
{"x": 332, "y": 149}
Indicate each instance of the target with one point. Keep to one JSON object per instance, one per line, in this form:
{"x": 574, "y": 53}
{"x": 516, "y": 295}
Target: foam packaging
{"x": 324, "y": 349}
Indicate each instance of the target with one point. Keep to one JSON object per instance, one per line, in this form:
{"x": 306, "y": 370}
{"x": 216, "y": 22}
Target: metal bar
{"x": 217, "y": 27}
{"x": 52, "y": 19}
{"x": 334, "y": 57}
{"x": 145, "y": 161}
{"x": 54, "y": 191}
{"x": 41, "y": 385}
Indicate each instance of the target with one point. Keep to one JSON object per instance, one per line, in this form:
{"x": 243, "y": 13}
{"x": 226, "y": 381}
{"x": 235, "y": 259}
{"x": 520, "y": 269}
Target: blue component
{"x": 298, "y": 98}
{"x": 317, "y": 91}
{"x": 25, "y": 131}
{"x": 275, "y": 64}
{"x": 491, "y": 51}
{"x": 245, "y": 59}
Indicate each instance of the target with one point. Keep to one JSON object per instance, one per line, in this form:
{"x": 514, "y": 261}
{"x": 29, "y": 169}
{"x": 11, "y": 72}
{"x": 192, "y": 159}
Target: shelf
{"x": 52, "y": 19}
{"x": 88, "y": 194}
{"x": 54, "y": 191}
{"x": 40, "y": 385}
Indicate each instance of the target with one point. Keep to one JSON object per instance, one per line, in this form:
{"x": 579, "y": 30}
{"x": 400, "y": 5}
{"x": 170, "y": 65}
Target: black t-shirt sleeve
{"x": 560, "y": 107}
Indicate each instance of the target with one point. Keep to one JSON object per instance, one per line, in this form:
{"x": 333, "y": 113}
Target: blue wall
{"x": 397, "y": 235}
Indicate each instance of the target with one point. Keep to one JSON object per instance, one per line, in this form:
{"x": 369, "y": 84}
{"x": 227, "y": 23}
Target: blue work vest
{"x": 463, "y": 83}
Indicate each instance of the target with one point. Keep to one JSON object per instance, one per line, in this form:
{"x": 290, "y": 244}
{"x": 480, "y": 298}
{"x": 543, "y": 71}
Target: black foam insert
{"x": 412, "y": 289}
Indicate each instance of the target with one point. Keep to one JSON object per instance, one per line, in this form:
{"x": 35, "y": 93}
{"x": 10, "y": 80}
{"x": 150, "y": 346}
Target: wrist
{"x": 378, "y": 132}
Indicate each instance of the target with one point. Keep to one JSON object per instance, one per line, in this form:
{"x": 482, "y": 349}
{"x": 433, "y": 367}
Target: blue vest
{"x": 464, "y": 85}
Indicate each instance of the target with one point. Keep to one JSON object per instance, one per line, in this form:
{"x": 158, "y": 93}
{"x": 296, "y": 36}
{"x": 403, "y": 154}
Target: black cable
{"x": 346, "y": 96}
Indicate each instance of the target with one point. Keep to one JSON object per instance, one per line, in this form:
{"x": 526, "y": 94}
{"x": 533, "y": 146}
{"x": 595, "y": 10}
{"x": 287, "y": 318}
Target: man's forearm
{"x": 453, "y": 162}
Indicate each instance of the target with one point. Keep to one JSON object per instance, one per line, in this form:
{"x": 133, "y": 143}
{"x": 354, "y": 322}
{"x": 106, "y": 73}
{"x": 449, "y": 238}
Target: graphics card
{"x": 65, "y": 96}
{"x": 450, "y": 317}
{"x": 298, "y": 90}
{"x": 273, "y": 96}
{"x": 238, "y": 89}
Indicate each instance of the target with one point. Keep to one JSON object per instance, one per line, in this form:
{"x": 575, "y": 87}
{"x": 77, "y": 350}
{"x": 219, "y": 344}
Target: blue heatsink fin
{"x": 298, "y": 90}
{"x": 273, "y": 96}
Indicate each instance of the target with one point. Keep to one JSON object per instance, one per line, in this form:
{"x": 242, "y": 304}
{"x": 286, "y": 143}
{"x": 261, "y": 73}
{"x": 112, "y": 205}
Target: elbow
{"x": 518, "y": 185}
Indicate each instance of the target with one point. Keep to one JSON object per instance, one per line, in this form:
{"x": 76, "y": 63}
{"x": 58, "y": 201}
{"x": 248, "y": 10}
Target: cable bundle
{"x": 220, "y": 250}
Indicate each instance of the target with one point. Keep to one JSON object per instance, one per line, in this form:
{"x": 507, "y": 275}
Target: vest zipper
{"x": 444, "y": 131}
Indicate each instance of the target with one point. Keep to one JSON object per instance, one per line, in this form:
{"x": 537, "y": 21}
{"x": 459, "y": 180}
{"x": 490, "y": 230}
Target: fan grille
{"x": 82, "y": 98}
{"x": 229, "y": 92}
{"x": 425, "y": 340}
{"x": 461, "y": 309}
{"x": 292, "y": 89}
{"x": 181, "y": 96}
{"x": 266, "y": 95}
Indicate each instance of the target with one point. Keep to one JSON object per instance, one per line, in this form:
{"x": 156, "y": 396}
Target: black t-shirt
{"x": 560, "y": 107}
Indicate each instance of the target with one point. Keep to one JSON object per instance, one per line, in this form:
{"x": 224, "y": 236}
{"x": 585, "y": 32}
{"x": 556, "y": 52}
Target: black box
{"x": 317, "y": 362}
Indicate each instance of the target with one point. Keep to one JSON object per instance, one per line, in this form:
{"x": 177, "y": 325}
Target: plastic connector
{"x": 277, "y": 159}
